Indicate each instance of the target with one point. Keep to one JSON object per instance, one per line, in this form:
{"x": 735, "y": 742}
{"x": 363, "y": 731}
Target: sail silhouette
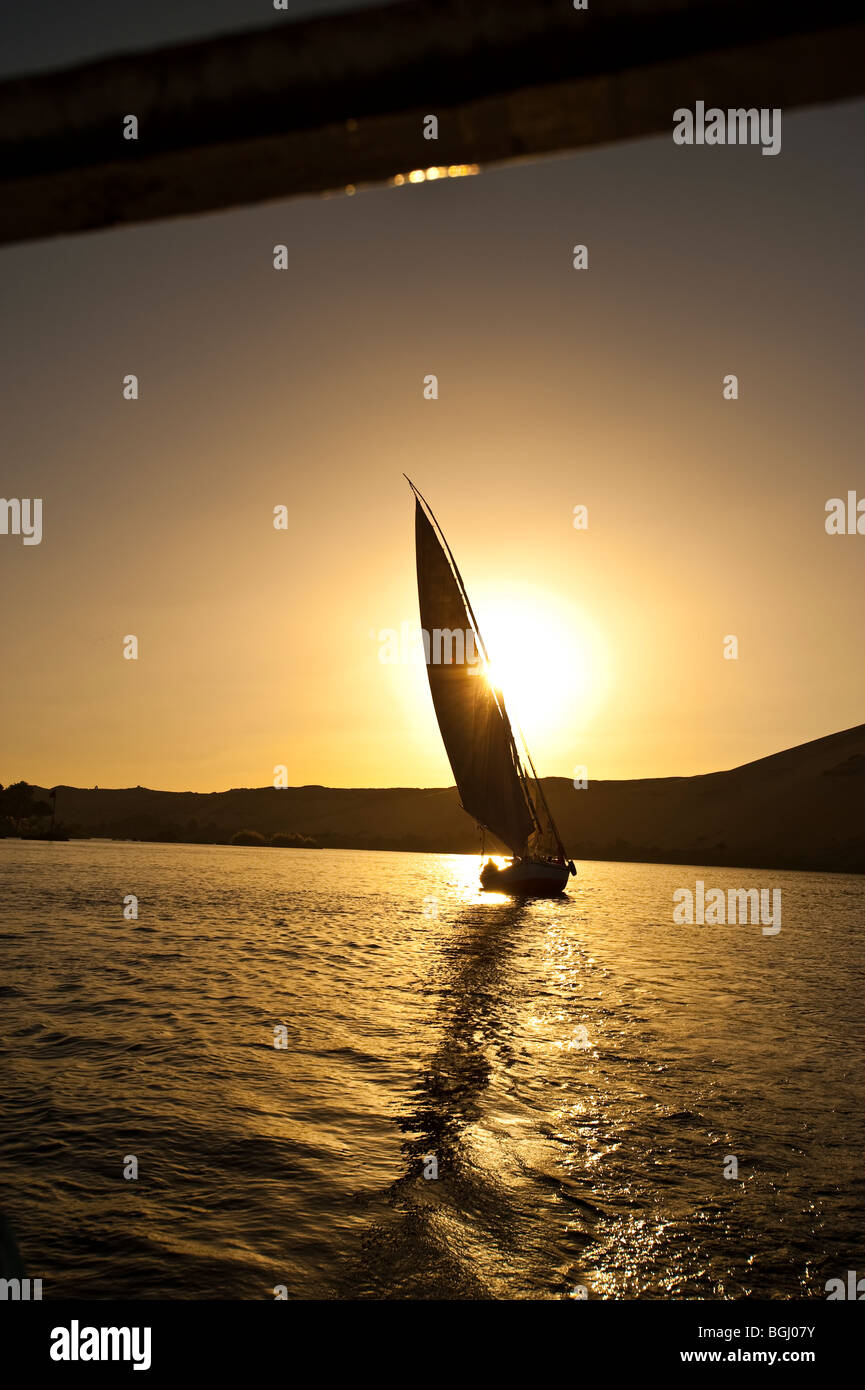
{"x": 495, "y": 786}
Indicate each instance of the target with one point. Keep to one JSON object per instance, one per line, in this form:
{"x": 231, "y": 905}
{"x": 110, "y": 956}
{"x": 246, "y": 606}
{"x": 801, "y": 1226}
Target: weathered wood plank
{"x": 317, "y": 105}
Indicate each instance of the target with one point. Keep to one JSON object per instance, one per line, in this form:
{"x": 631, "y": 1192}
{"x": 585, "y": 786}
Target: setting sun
{"x": 549, "y": 661}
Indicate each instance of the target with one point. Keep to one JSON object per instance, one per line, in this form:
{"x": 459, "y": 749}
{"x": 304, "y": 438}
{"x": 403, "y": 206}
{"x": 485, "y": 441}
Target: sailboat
{"x": 497, "y": 783}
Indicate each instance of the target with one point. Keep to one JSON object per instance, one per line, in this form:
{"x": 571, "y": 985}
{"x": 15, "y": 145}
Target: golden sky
{"x": 557, "y": 388}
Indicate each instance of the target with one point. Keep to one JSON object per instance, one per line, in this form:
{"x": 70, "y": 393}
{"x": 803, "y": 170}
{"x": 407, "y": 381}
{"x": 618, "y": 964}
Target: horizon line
{"x": 549, "y": 777}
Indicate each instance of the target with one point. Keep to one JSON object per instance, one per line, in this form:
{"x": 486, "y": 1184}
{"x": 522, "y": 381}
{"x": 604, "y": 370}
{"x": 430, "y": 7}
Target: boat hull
{"x": 530, "y": 878}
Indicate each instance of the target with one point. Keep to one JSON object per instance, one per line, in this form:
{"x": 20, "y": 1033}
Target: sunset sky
{"x": 557, "y": 387}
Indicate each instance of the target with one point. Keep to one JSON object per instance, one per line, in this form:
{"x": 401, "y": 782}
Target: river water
{"x": 471, "y": 1097}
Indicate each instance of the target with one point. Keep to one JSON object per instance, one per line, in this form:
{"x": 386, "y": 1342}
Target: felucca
{"x": 496, "y": 787}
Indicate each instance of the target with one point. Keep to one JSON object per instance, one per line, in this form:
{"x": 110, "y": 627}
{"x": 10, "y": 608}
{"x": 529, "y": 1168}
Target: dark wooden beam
{"x": 317, "y": 105}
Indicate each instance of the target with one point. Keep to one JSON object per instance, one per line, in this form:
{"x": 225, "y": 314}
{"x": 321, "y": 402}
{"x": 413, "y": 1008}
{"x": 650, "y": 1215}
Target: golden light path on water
{"x": 578, "y": 1071}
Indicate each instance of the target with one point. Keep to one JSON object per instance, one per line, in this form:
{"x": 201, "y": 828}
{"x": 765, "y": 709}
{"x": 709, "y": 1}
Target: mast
{"x": 554, "y": 827}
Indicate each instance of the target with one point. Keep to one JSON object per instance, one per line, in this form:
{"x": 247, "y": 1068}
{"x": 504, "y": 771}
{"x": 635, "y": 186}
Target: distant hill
{"x": 803, "y": 808}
